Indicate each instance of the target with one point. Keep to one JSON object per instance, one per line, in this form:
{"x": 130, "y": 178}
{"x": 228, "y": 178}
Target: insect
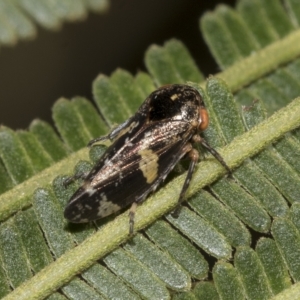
{"x": 144, "y": 150}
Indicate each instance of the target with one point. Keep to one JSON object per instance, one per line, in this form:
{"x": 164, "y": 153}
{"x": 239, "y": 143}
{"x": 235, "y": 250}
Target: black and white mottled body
{"x": 145, "y": 149}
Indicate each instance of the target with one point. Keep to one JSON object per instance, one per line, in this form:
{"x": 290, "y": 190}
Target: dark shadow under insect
{"x": 144, "y": 150}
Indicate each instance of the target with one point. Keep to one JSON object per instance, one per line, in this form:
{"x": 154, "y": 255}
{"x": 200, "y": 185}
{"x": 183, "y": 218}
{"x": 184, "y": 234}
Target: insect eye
{"x": 204, "y": 119}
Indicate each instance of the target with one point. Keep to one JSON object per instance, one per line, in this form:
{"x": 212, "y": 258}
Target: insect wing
{"x": 129, "y": 175}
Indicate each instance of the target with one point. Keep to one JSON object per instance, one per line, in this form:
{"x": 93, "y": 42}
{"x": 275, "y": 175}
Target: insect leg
{"x": 69, "y": 180}
{"x": 194, "y": 156}
{"x": 112, "y": 135}
{"x": 205, "y": 144}
{"x": 98, "y": 139}
{"x": 131, "y": 217}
